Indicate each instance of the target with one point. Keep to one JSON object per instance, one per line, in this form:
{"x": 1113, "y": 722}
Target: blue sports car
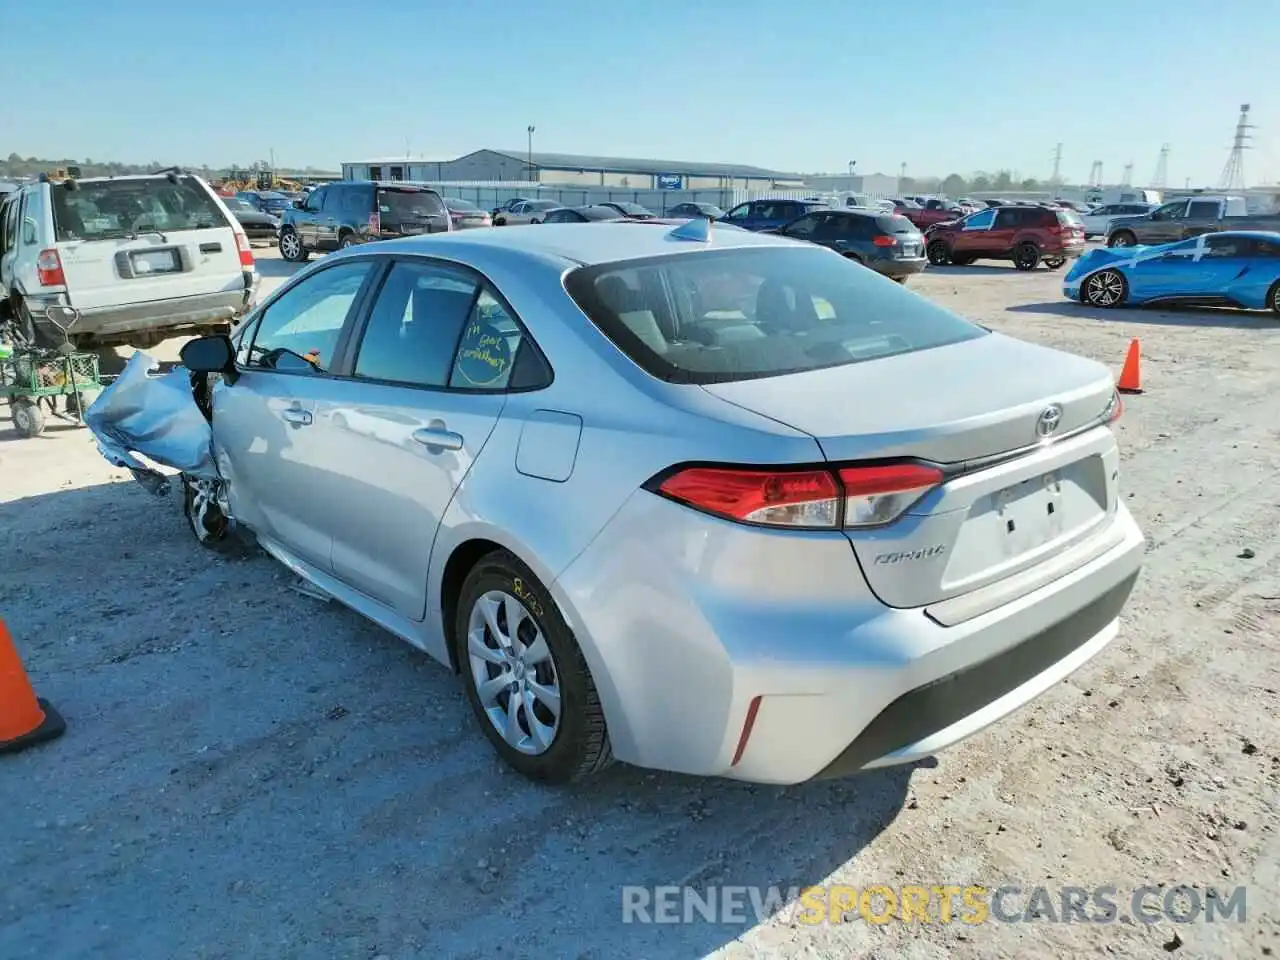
{"x": 1235, "y": 268}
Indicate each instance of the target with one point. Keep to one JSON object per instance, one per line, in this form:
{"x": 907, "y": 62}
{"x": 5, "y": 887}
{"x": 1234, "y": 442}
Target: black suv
{"x": 348, "y": 212}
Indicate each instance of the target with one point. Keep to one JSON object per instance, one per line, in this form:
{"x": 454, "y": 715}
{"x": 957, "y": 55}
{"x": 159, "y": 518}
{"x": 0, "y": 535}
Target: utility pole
{"x": 1233, "y": 173}
{"x": 1057, "y": 166}
{"x": 530, "y": 132}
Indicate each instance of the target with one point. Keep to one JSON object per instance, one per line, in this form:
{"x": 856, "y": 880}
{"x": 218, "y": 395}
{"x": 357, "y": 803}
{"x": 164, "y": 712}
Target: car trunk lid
{"x": 988, "y": 411}
{"x": 404, "y": 212}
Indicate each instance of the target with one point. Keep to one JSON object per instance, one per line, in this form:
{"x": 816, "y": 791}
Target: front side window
{"x": 1226, "y": 246}
{"x": 298, "y": 331}
{"x": 740, "y": 212}
{"x": 748, "y": 312}
{"x": 1170, "y": 210}
{"x": 315, "y": 202}
{"x": 981, "y": 221}
{"x": 804, "y": 228}
{"x": 115, "y": 209}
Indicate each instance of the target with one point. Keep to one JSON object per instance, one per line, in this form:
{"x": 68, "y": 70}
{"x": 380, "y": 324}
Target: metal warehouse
{"x": 575, "y": 170}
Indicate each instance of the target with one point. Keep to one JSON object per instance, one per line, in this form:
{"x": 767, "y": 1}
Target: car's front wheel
{"x": 1273, "y": 298}
{"x": 291, "y": 247}
{"x": 1122, "y": 238}
{"x": 939, "y": 253}
{"x": 204, "y": 506}
{"x": 526, "y": 678}
{"x": 1106, "y": 288}
{"x": 1053, "y": 263}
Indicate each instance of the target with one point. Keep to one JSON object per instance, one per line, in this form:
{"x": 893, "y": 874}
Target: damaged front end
{"x": 165, "y": 419}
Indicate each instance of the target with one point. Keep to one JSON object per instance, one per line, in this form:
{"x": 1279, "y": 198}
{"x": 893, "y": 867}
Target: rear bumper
{"x": 692, "y": 625}
{"x": 900, "y": 268}
{"x": 156, "y": 315}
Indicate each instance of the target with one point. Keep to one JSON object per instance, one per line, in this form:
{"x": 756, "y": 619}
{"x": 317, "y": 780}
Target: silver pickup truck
{"x": 1187, "y": 217}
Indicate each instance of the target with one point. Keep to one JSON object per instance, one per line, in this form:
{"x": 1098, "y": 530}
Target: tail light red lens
{"x": 884, "y": 241}
{"x": 49, "y": 269}
{"x": 245, "y": 250}
{"x": 855, "y": 496}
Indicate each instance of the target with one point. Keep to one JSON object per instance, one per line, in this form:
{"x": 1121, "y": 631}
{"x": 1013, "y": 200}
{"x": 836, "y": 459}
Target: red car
{"x": 934, "y": 210}
{"x": 1027, "y": 235}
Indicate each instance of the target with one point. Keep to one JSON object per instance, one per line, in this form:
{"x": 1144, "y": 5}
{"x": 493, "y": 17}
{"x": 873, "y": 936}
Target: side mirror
{"x": 209, "y": 355}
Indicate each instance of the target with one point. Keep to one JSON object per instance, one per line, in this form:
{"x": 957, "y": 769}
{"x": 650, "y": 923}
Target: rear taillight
{"x": 1115, "y": 408}
{"x": 884, "y": 241}
{"x": 874, "y": 495}
{"x": 375, "y": 222}
{"x": 49, "y": 269}
{"x": 245, "y": 251}
{"x": 856, "y": 496}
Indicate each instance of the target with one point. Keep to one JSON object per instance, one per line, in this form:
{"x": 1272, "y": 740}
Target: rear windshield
{"x": 543, "y": 204}
{"x": 895, "y": 224}
{"x": 105, "y": 209}
{"x": 741, "y": 314}
{"x": 455, "y": 204}
{"x": 409, "y": 204}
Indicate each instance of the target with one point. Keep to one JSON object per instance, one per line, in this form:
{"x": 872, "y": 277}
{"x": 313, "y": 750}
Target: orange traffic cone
{"x": 25, "y": 720}
{"x": 1130, "y": 376}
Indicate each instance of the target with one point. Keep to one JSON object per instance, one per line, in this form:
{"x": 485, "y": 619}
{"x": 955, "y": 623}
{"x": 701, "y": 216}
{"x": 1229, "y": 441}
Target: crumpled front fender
{"x": 156, "y": 417}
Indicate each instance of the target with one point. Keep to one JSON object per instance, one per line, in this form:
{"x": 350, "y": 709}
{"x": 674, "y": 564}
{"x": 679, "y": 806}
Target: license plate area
{"x": 145, "y": 263}
{"x": 1027, "y": 521}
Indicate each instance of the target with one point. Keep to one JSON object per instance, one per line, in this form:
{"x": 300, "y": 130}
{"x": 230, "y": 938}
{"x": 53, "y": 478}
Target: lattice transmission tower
{"x": 1233, "y": 173}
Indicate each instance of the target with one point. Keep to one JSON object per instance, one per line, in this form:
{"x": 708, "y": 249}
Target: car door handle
{"x": 299, "y": 418}
{"x": 438, "y": 437}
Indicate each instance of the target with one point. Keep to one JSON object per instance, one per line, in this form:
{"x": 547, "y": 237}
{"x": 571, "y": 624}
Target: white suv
{"x": 140, "y": 258}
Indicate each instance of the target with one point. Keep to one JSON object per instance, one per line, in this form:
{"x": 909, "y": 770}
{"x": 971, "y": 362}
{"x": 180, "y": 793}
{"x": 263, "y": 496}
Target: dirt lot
{"x": 251, "y": 773}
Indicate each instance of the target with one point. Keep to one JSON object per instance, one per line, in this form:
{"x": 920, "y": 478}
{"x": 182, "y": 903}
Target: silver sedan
{"x": 702, "y": 500}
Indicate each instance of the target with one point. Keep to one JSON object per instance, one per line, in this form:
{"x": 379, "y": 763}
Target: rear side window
{"x": 107, "y": 209}
{"x": 1069, "y": 218}
{"x": 895, "y": 224}
{"x": 740, "y": 314}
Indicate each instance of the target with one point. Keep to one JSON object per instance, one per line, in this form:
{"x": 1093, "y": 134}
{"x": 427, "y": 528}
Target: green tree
{"x": 954, "y": 185}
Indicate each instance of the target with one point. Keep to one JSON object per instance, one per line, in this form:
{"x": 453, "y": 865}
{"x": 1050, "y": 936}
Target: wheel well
{"x": 461, "y": 562}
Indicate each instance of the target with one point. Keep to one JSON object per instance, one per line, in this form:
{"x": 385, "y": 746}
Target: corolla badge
{"x": 1050, "y": 417}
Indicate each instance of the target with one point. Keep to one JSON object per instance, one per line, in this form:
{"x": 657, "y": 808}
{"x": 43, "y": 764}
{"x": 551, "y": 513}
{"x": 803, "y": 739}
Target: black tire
{"x": 347, "y": 240}
{"x": 939, "y": 253}
{"x": 291, "y": 248}
{"x": 1054, "y": 263}
{"x": 28, "y": 419}
{"x": 37, "y": 334}
{"x": 205, "y": 518}
{"x": 580, "y": 746}
{"x": 1026, "y": 257}
{"x": 901, "y": 280}
{"x": 74, "y": 406}
{"x": 1122, "y": 238}
{"x": 1105, "y": 289}
{"x": 499, "y": 221}
{"x": 1273, "y": 298}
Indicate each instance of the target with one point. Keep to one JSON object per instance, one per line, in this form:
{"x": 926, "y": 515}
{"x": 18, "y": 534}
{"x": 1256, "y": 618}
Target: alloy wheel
{"x": 290, "y": 245}
{"x": 1104, "y": 289}
{"x": 514, "y": 672}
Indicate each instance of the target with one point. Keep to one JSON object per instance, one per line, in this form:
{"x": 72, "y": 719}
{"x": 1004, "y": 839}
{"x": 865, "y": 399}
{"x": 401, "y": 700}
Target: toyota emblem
{"x": 1049, "y": 419}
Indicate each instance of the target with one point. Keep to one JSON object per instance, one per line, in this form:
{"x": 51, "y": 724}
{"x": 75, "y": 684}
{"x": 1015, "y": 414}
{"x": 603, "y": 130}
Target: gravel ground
{"x": 251, "y": 773}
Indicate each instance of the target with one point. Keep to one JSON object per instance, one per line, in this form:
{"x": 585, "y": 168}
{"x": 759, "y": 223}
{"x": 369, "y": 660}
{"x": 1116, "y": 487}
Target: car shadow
{"x": 276, "y": 267}
{"x": 246, "y": 745}
{"x": 1163, "y": 315}
{"x": 951, "y": 270}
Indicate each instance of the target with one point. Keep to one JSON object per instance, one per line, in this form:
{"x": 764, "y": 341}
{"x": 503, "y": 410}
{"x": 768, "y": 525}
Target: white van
{"x": 139, "y": 258}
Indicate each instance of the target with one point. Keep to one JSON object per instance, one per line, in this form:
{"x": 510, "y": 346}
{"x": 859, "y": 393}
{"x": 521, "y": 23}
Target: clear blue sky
{"x": 798, "y": 85}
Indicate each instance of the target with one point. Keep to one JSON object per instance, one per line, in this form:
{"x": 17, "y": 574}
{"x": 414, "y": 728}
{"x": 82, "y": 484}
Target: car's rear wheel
{"x": 1026, "y": 257}
{"x": 1122, "y": 238}
{"x": 1106, "y": 288}
{"x": 291, "y": 247}
{"x": 526, "y": 678}
{"x": 939, "y": 253}
{"x": 1273, "y": 298}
